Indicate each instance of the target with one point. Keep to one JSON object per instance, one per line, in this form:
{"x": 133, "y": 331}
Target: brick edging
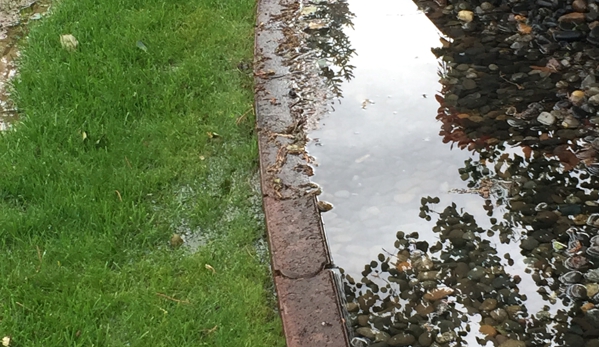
{"x": 309, "y": 298}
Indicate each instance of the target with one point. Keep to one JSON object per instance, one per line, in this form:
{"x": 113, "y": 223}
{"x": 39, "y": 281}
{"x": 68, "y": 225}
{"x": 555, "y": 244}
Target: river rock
{"x": 573, "y": 340}
{"x": 446, "y": 337}
{"x": 468, "y": 84}
{"x": 579, "y": 5}
{"x": 574, "y": 17}
{"x": 488, "y": 305}
{"x": 488, "y": 330}
{"x": 529, "y": 244}
{"x": 499, "y": 315}
{"x": 401, "y": 339}
{"x": 513, "y": 343}
{"x": 352, "y": 307}
{"x": 594, "y": 100}
{"x": 367, "y": 332}
{"x": 476, "y": 273}
{"x": 592, "y": 343}
{"x": 546, "y": 118}
{"x": 363, "y": 320}
{"x": 428, "y": 275}
{"x": 437, "y": 294}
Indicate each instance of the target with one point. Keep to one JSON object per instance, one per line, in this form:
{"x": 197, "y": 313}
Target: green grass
{"x": 111, "y": 157}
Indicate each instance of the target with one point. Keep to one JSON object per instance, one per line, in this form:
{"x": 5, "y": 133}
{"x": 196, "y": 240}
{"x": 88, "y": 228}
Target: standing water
{"x": 470, "y": 127}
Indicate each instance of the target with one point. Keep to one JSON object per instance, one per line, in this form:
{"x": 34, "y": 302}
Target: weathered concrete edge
{"x": 308, "y": 294}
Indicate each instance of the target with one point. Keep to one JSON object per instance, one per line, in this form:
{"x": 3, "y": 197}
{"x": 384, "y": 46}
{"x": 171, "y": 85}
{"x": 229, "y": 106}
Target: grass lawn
{"x": 121, "y": 144}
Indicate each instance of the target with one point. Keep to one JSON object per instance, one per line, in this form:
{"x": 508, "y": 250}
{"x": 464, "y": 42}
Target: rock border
{"x": 308, "y": 292}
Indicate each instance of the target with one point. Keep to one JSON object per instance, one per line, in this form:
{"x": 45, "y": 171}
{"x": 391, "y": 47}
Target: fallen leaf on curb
{"x": 209, "y": 267}
{"x": 324, "y": 206}
{"x": 69, "y": 42}
{"x": 264, "y": 74}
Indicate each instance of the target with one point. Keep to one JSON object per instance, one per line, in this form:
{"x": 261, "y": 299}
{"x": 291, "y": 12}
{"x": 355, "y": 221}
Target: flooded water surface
{"x": 461, "y": 162}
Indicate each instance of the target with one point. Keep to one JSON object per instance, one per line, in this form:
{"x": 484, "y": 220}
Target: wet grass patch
{"x": 144, "y": 130}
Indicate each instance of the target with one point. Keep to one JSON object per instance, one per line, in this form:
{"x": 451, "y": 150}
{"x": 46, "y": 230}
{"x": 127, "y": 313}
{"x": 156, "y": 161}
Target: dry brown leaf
{"x": 524, "y": 28}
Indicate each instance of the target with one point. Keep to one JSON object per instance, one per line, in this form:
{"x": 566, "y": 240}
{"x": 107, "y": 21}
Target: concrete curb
{"x": 309, "y": 301}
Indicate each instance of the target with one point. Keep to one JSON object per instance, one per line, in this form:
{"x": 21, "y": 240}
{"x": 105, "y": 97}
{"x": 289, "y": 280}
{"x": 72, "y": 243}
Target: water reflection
{"x": 507, "y": 250}
{"x": 327, "y": 23}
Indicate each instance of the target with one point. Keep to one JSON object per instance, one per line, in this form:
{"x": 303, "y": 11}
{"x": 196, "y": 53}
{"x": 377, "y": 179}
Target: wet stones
{"x": 574, "y": 17}
{"x": 488, "y": 330}
{"x": 547, "y": 118}
{"x": 425, "y": 339}
{"x": 488, "y": 305}
{"x": 373, "y": 334}
{"x": 401, "y": 339}
{"x": 579, "y": 5}
{"x": 513, "y": 343}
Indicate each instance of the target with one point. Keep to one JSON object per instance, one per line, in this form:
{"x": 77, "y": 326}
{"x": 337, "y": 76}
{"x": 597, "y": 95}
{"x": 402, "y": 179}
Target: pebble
{"x": 476, "y": 273}
{"x": 428, "y": 275}
{"x": 588, "y": 82}
{"x": 576, "y": 17}
{"x": 468, "y": 84}
{"x": 402, "y": 339}
{"x": 529, "y": 243}
{"x": 499, "y": 315}
{"x": 363, "y": 320}
{"x": 594, "y": 100}
{"x": 513, "y": 311}
{"x": 366, "y": 332}
{"x": 487, "y": 6}
{"x": 510, "y": 325}
{"x": 425, "y": 339}
{"x": 445, "y": 337}
{"x": 488, "y": 305}
{"x": 466, "y": 16}
{"x": 592, "y": 343}
{"x": 593, "y": 275}
{"x": 573, "y": 340}
{"x": 437, "y": 294}
{"x": 547, "y": 118}
{"x": 352, "y": 307}
{"x": 513, "y": 343}
{"x": 579, "y": 5}
{"x": 488, "y": 330}
{"x": 570, "y": 122}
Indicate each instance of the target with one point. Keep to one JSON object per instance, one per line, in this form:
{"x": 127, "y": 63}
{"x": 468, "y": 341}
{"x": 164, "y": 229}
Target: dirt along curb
{"x": 308, "y": 293}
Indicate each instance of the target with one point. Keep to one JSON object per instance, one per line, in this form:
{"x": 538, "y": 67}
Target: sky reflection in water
{"x": 380, "y": 152}
{"x": 375, "y": 163}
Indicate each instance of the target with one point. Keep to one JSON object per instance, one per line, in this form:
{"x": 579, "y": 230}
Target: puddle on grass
{"x": 14, "y": 15}
{"x": 475, "y": 137}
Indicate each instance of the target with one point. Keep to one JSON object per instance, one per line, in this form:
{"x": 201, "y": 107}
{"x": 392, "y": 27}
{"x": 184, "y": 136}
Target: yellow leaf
{"x": 69, "y": 42}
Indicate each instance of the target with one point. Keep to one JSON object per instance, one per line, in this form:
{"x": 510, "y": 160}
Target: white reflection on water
{"x": 379, "y": 152}
{"x": 375, "y": 163}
